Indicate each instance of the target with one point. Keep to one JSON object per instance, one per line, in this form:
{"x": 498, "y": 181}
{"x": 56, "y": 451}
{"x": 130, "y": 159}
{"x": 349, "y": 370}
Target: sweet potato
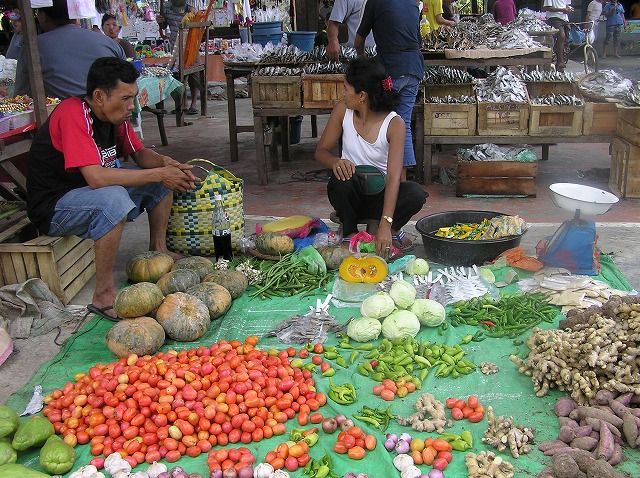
{"x": 565, "y": 467}
{"x": 559, "y": 449}
{"x": 566, "y": 421}
{"x": 584, "y": 443}
{"x": 596, "y": 424}
{"x": 606, "y": 444}
{"x": 546, "y": 473}
{"x": 618, "y": 408}
{"x": 603, "y": 397}
{"x": 566, "y": 434}
{"x": 630, "y": 429}
{"x": 582, "y": 431}
{"x": 583, "y": 458}
{"x": 625, "y": 398}
{"x": 602, "y": 469}
{"x": 547, "y": 445}
{"x": 593, "y": 412}
{"x": 564, "y": 406}
{"x": 617, "y": 455}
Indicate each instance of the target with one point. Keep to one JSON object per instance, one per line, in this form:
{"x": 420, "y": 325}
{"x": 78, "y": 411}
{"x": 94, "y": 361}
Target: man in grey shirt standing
{"x": 66, "y": 53}
{"x": 349, "y": 12}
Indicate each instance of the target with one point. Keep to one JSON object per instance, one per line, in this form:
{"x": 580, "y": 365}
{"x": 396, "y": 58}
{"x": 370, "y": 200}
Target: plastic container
{"x": 456, "y": 252}
{"x": 274, "y": 38}
{"x": 265, "y": 28}
{"x": 303, "y": 40}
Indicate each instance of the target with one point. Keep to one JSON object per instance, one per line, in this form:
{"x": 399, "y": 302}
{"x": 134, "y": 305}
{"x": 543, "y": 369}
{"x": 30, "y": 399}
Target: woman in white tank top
{"x": 372, "y": 135}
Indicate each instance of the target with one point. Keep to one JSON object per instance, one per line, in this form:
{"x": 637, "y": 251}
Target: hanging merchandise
{"x": 81, "y": 9}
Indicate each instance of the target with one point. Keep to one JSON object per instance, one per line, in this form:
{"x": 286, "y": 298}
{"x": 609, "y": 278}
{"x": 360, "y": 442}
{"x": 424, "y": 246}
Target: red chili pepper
{"x": 488, "y": 323}
{"x": 373, "y": 363}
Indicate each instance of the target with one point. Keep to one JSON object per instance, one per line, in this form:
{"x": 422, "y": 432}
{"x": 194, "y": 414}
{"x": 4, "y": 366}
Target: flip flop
{"x": 101, "y": 311}
{"x": 403, "y": 242}
{"x": 191, "y": 111}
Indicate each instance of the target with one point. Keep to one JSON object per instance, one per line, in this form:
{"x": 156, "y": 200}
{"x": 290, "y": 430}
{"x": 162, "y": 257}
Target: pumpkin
{"x": 274, "y": 244}
{"x": 148, "y": 266}
{"x": 235, "y": 282}
{"x": 183, "y": 317}
{"x": 201, "y": 265}
{"x": 215, "y": 297}
{"x": 141, "y": 336}
{"x": 137, "y": 300}
{"x": 368, "y": 269}
{"x": 333, "y": 256}
{"x": 178, "y": 281}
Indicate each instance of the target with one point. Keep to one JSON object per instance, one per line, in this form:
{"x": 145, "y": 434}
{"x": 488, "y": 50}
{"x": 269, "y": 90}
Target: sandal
{"x": 191, "y": 111}
{"x": 403, "y": 242}
{"x": 101, "y": 312}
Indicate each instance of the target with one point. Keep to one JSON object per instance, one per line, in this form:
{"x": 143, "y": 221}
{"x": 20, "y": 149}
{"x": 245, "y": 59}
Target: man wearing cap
{"x": 13, "y": 52}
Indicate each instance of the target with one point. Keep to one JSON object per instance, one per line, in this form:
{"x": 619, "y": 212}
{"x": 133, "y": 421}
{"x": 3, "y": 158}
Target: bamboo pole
{"x": 33, "y": 57}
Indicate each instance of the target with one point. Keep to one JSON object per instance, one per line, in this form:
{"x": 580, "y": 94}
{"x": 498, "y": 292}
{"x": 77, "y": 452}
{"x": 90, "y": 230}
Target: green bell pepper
{"x": 56, "y": 456}
{"x": 32, "y": 432}
{"x": 13, "y": 470}
{"x": 7, "y": 454}
{"x": 9, "y": 421}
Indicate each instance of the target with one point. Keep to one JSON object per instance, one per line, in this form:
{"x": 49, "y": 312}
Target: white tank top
{"x": 358, "y": 150}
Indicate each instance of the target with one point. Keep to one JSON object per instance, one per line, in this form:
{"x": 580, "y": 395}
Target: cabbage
{"x": 400, "y": 323}
{"x": 377, "y": 306}
{"x": 429, "y": 312}
{"x": 417, "y": 267}
{"x": 403, "y": 294}
{"x": 364, "y": 329}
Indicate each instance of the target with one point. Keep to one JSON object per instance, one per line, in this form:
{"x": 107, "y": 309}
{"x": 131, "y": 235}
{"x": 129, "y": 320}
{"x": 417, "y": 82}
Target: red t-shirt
{"x": 71, "y": 138}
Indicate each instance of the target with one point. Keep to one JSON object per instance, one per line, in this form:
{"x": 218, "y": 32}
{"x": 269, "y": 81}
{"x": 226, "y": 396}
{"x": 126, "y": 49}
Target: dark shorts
{"x": 613, "y": 31}
{"x": 92, "y": 213}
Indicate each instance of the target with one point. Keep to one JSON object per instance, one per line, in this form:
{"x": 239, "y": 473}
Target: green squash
{"x": 273, "y": 244}
{"x": 215, "y": 297}
{"x": 183, "y": 317}
{"x": 137, "y": 300}
{"x": 178, "y": 281}
{"x": 201, "y": 265}
{"x": 141, "y": 336}
{"x": 235, "y": 282}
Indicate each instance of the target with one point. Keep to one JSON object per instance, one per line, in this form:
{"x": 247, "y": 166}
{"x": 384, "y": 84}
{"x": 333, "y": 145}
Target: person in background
{"x": 111, "y": 28}
{"x": 323, "y": 12}
{"x": 558, "y": 17}
{"x": 504, "y": 11}
{"x": 634, "y": 10}
{"x": 66, "y": 54}
{"x": 594, "y": 12}
{"x": 75, "y": 183}
{"x": 162, "y": 26}
{"x": 349, "y": 12}
{"x": 15, "y": 45}
{"x": 433, "y": 10}
{"x": 614, "y": 11}
{"x": 372, "y": 134}
{"x": 447, "y": 11}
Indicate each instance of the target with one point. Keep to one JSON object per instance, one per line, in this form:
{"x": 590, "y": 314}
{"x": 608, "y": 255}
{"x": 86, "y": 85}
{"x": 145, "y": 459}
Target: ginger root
{"x": 487, "y": 465}
{"x": 430, "y": 415}
{"x": 502, "y": 433}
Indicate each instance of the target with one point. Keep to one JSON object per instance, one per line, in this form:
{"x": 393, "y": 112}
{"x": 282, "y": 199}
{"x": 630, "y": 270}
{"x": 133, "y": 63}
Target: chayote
{"x": 32, "y": 432}
{"x": 56, "y": 456}
{"x": 7, "y": 454}
{"x": 14, "y": 470}
{"x": 9, "y": 421}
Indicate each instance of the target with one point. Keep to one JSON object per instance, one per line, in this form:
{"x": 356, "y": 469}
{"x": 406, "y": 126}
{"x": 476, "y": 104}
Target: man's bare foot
{"x": 104, "y": 303}
{"x": 164, "y": 250}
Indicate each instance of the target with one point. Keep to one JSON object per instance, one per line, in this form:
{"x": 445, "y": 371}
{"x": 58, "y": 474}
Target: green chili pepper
{"x": 330, "y": 372}
{"x": 341, "y": 361}
{"x": 330, "y": 355}
{"x": 353, "y": 357}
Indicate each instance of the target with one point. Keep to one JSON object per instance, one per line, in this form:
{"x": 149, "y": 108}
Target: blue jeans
{"x": 407, "y": 88}
{"x": 92, "y": 213}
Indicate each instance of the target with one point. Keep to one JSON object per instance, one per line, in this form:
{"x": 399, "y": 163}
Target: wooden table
{"x": 540, "y": 58}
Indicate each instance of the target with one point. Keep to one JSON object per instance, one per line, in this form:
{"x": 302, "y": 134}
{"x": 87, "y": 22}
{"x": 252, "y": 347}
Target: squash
{"x": 274, "y": 244}
{"x": 215, "y": 297}
{"x": 367, "y": 269}
{"x": 333, "y": 256}
{"x": 148, "y": 266}
{"x": 183, "y": 317}
{"x": 235, "y": 282}
{"x": 141, "y": 336}
{"x": 178, "y": 281}
{"x": 137, "y": 300}
{"x": 201, "y": 265}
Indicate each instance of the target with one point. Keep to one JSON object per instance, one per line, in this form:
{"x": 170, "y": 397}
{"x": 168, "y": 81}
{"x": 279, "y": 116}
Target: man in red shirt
{"x": 76, "y": 185}
{"x": 504, "y": 11}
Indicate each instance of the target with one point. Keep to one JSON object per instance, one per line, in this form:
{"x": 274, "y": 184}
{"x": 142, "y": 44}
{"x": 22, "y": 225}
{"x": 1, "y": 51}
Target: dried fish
{"x": 529, "y": 21}
{"x": 445, "y": 75}
{"x": 157, "y": 71}
{"x": 512, "y": 39}
{"x": 501, "y": 86}
{"x": 607, "y": 84}
{"x": 332, "y": 67}
{"x": 451, "y": 99}
{"x": 493, "y": 152}
{"x": 539, "y": 76}
{"x": 277, "y": 71}
{"x": 559, "y": 100}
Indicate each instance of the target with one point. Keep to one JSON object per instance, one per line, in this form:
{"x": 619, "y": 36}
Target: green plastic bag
{"x": 7, "y": 454}
{"x": 313, "y": 259}
{"x": 8, "y": 421}
{"x": 32, "y": 432}
{"x": 56, "y": 456}
{"x": 14, "y": 470}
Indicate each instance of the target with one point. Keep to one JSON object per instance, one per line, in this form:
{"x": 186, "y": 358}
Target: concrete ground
{"x": 300, "y": 188}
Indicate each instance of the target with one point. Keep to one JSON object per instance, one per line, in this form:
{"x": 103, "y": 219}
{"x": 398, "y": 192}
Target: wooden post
{"x": 33, "y": 57}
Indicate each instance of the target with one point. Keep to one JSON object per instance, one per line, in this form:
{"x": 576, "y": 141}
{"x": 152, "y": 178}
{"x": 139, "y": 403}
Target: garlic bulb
{"x": 155, "y": 469}
{"x": 263, "y": 470}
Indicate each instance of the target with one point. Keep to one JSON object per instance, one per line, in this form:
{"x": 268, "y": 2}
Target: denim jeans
{"x": 92, "y": 213}
{"x": 407, "y": 88}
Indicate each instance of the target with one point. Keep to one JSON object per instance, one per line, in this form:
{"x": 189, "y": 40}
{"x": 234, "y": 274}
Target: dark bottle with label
{"x": 221, "y": 230}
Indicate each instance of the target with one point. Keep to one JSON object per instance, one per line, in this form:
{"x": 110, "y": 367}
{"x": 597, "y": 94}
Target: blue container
{"x": 263, "y": 39}
{"x": 264, "y": 28}
{"x": 138, "y": 65}
{"x": 303, "y": 40}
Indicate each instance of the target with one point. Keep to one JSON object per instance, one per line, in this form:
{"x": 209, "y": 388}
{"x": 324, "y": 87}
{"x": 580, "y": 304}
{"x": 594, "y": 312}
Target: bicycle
{"x": 580, "y": 38}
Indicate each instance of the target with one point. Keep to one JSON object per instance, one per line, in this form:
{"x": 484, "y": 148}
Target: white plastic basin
{"x": 590, "y": 201}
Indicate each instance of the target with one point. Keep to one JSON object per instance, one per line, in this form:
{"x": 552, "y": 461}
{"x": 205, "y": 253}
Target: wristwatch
{"x": 389, "y": 219}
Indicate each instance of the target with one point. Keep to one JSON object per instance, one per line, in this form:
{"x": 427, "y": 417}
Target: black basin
{"x": 456, "y": 252}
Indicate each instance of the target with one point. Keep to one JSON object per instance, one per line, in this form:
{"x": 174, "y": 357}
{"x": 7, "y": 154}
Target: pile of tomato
{"x": 224, "y": 459}
{"x": 289, "y": 456}
{"x": 354, "y": 443}
{"x": 471, "y": 409}
{"x": 184, "y": 402}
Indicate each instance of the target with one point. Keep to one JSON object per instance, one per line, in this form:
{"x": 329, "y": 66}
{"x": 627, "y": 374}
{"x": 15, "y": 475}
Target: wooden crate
{"x": 629, "y": 115}
{"x": 65, "y": 264}
{"x": 628, "y": 125}
{"x": 449, "y": 119}
{"x": 276, "y": 91}
{"x": 503, "y": 119}
{"x": 555, "y": 120}
{"x": 322, "y": 91}
{"x": 600, "y": 119}
{"x": 496, "y": 178}
{"x": 624, "y": 175}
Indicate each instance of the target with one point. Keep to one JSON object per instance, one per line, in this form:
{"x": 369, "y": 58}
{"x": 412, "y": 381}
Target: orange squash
{"x": 367, "y": 269}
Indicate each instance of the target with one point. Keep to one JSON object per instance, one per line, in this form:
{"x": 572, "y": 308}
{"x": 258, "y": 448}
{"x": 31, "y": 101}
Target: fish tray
{"x": 624, "y": 175}
{"x": 600, "y": 119}
{"x": 555, "y": 120}
{"x": 628, "y": 126}
{"x": 276, "y": 91}
{"x": 322, "y": 91}
{"x": 496, "y": 178}
{"x": 541, "y": 88}
{"x": 503, "y": 119}
{"x": 449, "y": 119}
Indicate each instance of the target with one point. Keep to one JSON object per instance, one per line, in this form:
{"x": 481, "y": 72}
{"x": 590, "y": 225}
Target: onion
{"x": 406, "y": 437}
{"x": 229, "y": 473}
{"x": 195, "y": 475}
{"x": 346, "y": 424}
{"x": 329, "y": 425}
{"x": 340, "y": 419}
{"x": 215, "y": 474}
{"x": 362, "y": 475}
{"x": 402, "y": 447}
{"x": 175, "y": 470}
{"x": 389, "y": 444}
{"x": 246, "y": 472}
{"x": 180, "y": 474}
{"x": 392, "y": 436}
{"x": 350, "y": 475}
{"x": 164, "y": 474}
{"x": 435, "y": 474}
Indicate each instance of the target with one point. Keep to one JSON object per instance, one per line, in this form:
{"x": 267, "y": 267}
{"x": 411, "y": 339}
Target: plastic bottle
{"x": 221, "y": 230}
